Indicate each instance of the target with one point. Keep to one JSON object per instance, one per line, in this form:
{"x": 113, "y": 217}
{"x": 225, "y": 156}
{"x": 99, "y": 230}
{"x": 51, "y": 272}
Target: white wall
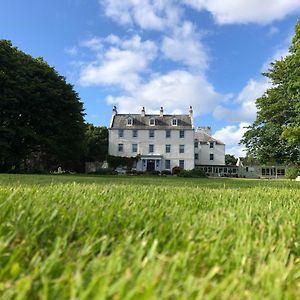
{"x": 159, "y": 142}
{"x": 204, "y": 152}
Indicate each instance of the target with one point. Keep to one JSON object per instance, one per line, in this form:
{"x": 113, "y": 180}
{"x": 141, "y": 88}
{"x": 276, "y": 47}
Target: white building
{"x": 163, "y": 141}
{"x": 208, "y": 151}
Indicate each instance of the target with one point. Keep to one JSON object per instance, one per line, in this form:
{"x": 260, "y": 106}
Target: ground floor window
{"x": 181, "y": 164}
{"x": 167, "y": 164}
{"x": 120, "y": 147}
{"x": 196, "y": 155}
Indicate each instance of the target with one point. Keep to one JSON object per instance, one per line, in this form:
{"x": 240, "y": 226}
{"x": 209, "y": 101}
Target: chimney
{"x": 191, "y": 112}
{"x": 161, "y": 112}
{"x": 114, "y": 111}
{"x": 143, "y": 112}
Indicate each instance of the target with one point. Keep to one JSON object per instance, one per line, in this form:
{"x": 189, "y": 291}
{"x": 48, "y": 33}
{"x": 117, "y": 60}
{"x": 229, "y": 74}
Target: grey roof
{"x": 139, "y": 122}
{"x": 203, "y": 137}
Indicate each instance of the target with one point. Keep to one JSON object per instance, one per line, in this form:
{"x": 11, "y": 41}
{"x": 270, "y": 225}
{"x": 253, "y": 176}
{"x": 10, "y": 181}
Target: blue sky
{"x": 152, "y": 53}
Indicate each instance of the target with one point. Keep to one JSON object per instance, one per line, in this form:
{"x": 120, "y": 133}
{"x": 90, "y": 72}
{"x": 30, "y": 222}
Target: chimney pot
{"x": 161, "y": 112}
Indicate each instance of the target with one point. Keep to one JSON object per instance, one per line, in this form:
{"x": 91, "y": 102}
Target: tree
{"x": 230, "y": 159}
{"x": 96, "y": 143}
{"x": 274, "y": 137}
{"x": 41, "y": 116}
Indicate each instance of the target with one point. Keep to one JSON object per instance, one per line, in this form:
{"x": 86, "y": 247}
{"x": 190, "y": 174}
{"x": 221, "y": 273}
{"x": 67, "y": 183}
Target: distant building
{"x": 163, "y": 141}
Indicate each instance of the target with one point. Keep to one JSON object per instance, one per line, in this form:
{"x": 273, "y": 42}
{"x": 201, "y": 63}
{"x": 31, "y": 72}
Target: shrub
{"x": 166, "y": 172}
{"x": 194, "y": 173}
{"x": 176, "y": 170}
{"x": 104, "y": 171}
{"x": 292, "y": 172}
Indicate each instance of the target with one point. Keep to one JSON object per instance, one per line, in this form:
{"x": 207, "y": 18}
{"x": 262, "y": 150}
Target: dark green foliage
{"x": 41, "y": 116}
{"x": 195, "y": 173}
{"x": 230, "y": 159}
{"x": 117, "y": 161}
{"x": 96, "y": 143}
{"x": 104, "y": 171}
{"x": 292, "y": 172}
{"x": 274, "y": 137}
{"x": 176, "y": 170}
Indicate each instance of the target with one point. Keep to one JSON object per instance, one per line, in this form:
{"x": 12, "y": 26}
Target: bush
{"x": 176, "y": 170}
{"x": 292, "y": 172}
{"x": 104, "y": 171}
{"x": 194, "y": 173}
{"x": 166, "y": 172}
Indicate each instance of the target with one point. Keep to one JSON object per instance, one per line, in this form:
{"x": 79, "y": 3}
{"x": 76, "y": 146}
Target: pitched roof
{"x": 143, "y": 122}
{"x": 203, "y": 137}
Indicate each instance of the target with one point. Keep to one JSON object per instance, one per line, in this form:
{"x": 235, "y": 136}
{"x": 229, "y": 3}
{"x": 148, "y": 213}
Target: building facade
{"x": 163, "y": 141}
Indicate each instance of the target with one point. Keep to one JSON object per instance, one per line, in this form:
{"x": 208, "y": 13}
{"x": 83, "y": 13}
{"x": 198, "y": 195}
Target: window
{"x": 151, "y": 133}
{"x": 134, "y": 133}
{"x": 211, "y": 145}
{"x": 174, "y": 122}
{"x": 211, "y": 156}
{"x": 121, "y": 133}
{"x": 281, "y": 172}
{"x": 181, "y": 148}
{"x": 152, "y": 122}
{"x": 196, "y": 144}
{"x": 181, "y": 134}
{"x": 151, "y": 148}
{"x": 120, "y": 147}
{"x": 168, "y": 148}
{"x": 181, "y": 164}
{"x": 129, "y": 121}
{"x": 167, "y": 164}
{"x": 196, "y": 156}
{"x": 168, "y": 133}
{"x": 134, "y": 148}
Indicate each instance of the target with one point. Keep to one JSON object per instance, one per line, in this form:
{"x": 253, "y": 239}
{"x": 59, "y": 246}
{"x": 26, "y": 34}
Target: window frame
{"x": 181, "y": 148}
{"x": 151, "y": 146}
{"x": 120, "y": 147}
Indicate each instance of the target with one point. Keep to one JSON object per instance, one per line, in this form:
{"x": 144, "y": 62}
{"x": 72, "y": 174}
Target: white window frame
{"x": 129, "y": 121}
{"x": 152, "y": 122}
{"x": 174, "y": 122}
{"x": 134, "y": 147}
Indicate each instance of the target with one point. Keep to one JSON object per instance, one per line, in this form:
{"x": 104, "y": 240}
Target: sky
{"x": 132, "y": 53}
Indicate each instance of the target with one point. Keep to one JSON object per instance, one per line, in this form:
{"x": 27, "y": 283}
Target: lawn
{"x": 119, "y": 237}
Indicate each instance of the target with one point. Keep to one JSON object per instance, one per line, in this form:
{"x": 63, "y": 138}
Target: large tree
{"x": 41, "y": 116}
{"x": 275, "y": 134}
{"x": 96, "y": 143}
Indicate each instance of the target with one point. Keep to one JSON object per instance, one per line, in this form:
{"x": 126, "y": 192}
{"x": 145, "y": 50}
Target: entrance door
{"x": 150, "y": 165}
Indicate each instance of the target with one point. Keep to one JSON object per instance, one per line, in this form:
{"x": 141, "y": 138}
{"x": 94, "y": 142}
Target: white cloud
{"x": 72, "y": 51}
{"x": 247, "y": 11}
{"x": 231, "y": 136}
{"x": 121, "y": 64}
{"x": 184, "y": 46}
{"x": 94, "y": 44}
{"x": 175, "y": 91}
{"x": 245, "y": 102}
{"x": 147, "y": 14}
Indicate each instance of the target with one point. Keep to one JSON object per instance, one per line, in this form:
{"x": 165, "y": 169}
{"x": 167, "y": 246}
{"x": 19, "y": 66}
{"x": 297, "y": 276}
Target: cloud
{"x": 94, "y": 44}
{"x": 246, "y": 11}
{"x": 244, "y": 105}
{"x": 184, "y": 46}
{"x": 231, "y": 136}
{"x": 72, "y": 51}
{"x": 175, "y": 91}
{"x": 147, "y": 14}
{"x": 121, "y": 64}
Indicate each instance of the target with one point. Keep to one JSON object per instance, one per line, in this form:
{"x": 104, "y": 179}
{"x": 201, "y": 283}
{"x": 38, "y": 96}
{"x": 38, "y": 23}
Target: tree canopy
{"x": 96, "y": 143}
{"x": 275, "y": 134}
{"x": 41, "y": 116}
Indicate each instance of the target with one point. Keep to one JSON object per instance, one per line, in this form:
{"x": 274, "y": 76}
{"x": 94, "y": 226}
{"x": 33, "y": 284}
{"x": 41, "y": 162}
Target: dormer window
{"x": 174, "y": 122}
{"x": 152, "y": 122}
{"x": 129, "y": 121}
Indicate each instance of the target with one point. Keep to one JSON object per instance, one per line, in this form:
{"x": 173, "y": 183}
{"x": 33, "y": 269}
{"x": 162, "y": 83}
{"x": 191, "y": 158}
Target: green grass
{"x": 87, "y": 237}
